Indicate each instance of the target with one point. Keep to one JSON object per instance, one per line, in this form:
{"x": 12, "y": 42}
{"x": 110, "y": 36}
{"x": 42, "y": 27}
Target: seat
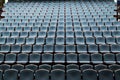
{"x": 104, "y": 48}
{"x": 71, "y": 58}
{"x": 10, "y": 41}
{"x": 59, "y": 48}
{"x": 37, "y": 48}
{"x": 109, "y": 58}
{"x": 2, "y": 41}
{"x": 50, "y": 41}
{"x": 84, "y": 58}
{"x": 2, "y": 58}
{"x": 31, "y": 67}
{"x": 34, "y": 58}
{"x": 114, "y": 67}
{"x": 59, "y": 58}
{"x": 26, "y": 48}
{"x": 40, "y": 41}
{"x": 70, "y": 48}
{"x": 45, "y": 66}
{"x": 70, "y": 41}
{"x": 26, "y": 74}
{"x": 18, "y": 67}
{"x": 1, "y": 75}
{"x": 47, "y": 58}
{"x": 107, "y": 34}
{"x": 86, "y": 66}
{"x": 20, "y": 41}
{"x": 10, "y": 58}
{"x": 100, "y": 67}
{"x": 48, "y": 48}
{"x": 4, "y": 67}
{"x": 89, "y": 34}
{"x": 60, "y": 41}
{"x": 96, "y": 58}
{"x": 117, "y": 74}
{"x": 11, "y": 74}
{"x": 15, "y": 48}
{"x": 90, "y": 40}
{"x": 105, "y": 74}
{"x": 118, "y": 58}
{"x": 92, "y": 48}
{"x": 110, "y": 40}
{"x": 58, "y": 66}
{"x": 22, "y": 58}
{"x": 30, "y": 41}
{"x": 115, "y": 48}
{"x": 73, "y": 74}
{"x": 97, "y": 33}
{"x": 80, "y": 40}
{"x": 5, "y": 48}
{"x": 72, "y": 66}
{"x": 42, "y": 74}
{"x": 90, "y": 74}
{"x": 57, "y": 74}
{"x": 81, "y": 48}
{"x": 100, "y": 40}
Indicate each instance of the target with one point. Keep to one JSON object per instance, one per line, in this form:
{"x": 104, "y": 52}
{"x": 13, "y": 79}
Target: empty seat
{"x": 1, "y": 58}
{"x": 86, "y": 66}
{"x": 59, "y": 58}
{"x": 71, "y": 58}
{"x": 92, "y": 48}
{"x": 89, "y": 74}
{"x": 104, "y": 48}
{"x": 47, "y": 58}
{"x": 109, "y": 58}
{"x": 105, "y": 74}
{"x": 81, "y": 48}
{"x": 34, "y": 58}
{"x": 15, "y": 48}
{"x": 70, "y": 48}
{"x": 114, "y": 67}
{"x": 45, "y": 66}
{"x": 84, "y": 58}
{"x": 5, "y": 48}
{"x": 117, "y": 74}
{"x": 48, "y": 48}
{"x": 96, "y": 58}
{"x": 26, "y": 74}
{"x": 115, "y": 48}
{"x": 11, "y": 74}
{"x": 31, "y": 66}
{"x": 4, "y": 67}
{"x": 72, "y": 66}
{"x": 10, "y": 58}
{"x": 22, "y": 58}
{"x": 59, "y": 48}
{"x": 42, "y": 74}
{"x": 73, "y": 74}
{"x": 26, "y": 48}
{"x": 100, "y": 67}
{"x": 58, "y": 66}
{"x": 18, "y": 67}
{"x": 57, "y": 74}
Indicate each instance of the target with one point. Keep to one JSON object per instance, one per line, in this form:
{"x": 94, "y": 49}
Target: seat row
{"x": 49, "y": 67}
{"x": 73, "y": 74}
{"x": 37, "y": 58}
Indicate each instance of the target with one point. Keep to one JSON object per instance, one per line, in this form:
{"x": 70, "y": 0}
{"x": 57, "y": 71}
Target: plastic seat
{"x": 47, "y": 58}
{"x": 50, "y": 41}
{"x": 109, "y": 58}
{"x": 117, "y": 74}
{"x": 26, "y": 74}
{"x": 59, "y": 58}
{"x": 58, "y": 66}
{"x": 104, "y": 48}
{"x": 70, "y": 48}
{"x": 84, "y": 58}
{"x": 34, "y": 58}
{"x": 110, "y": 40}
{"x": 57, "y": 74}
{"x": 30, "y": 41}
{"x": 70, "y": 40}
{"x": 26, "y": 48}
{"x": 5, "y": 48}
{"x": 45, "y": 66}
{"x": 4, "y": 67}
{"x": 71, "y": 58}
{"x": 15, "y": 48}
{"x": 114, "y": 67}
{"x": 80, "y": 40}
{"x": 10, "y": 58}
{"x": 92, "y": 48}
{"x": 11, "y": 74}
{"x": 2, "y": 58}
{"x": 31, "y": 67}
{"x": 100, "y": 67}
{"x": 118, "y": 58}
{"x": 89, "y": 74}
{"x": 18, "y": 67}
{"x": 115, "y": 48}
{"x": 73, "y": 74}
{"x": 72, "y": 66}
{"x": 42, "y": 74}
{"x": 105, "y": 74}
{"x": 22, "y": 58}
{"x": 100, "y": 40}
{"x": 37, "y": 48}
{"x": 23, "y": 34}
{"x": 59, "y": 48}
{"x": 86, "y": 66}
{"x": 48, "y": 48}
{"x": 81, "y": 48}
{"x": 60, "y": 40}
{"x": 20, "y": 41}
{"x": 40, "y": 41}
{"x": 2, "y": 40}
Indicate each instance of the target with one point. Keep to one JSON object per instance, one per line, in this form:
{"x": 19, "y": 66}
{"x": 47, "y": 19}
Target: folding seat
{"x": 84, "y": 24}
{"x": 71, "y": 58}
{"x": 34, "y": 58}
{"x": 10, "y": 41}
{"x": 114, "y": 67}
{"x": 103, "y": 28}
{"x": 90, "y": 40}
{"x": 118, "y": 58}
{"x": 2, "y": 29}
{"x": 57, "y": 74}
{"x": 32, "y": 34}
{"x": 115, "y": 48}
{"x": 105, "y": 74}
{"x": 26, "y": 74}
{"x": 2, "y": 40}
{"x": 10, "y": 58}
{"x": 86, "y": 66}
{"x": 88, "y": 34}
{"x": 50, "y": 41}
{"x": 100, "y": 67}
{"x": 1, "y": 58}
{"x": 70, "y": 48}
{"x": 77, "y": 29}
{"x": 117, "y": 74}
{"x": 42, "y": 74}
{"x": 60, "y": 33}
{"x": 5, "y": 34}
{"x": 69, "y": 28}
{"x": 48, "y": 48}
{"x": 80, "y": 40}
{"x": 22, "y": 58}
{"x": 4, "y": 67}
{"x": 100, "y": 40}
{"x": 104, "y": 48}
{"x": 60, "y": 40}
{"x": 58, "y": 66}
{"x": 84, "y": 58}
{"x": 109, "y": 58}
{"x": 98, "y": 34}
{"x": 69, "y": 34}
{"x": 47, "y": 58}
{"x": 79, "y": 34}
{"x": 45, "y": 66}
{"x": 26, "y": 48}
{"x": 86, "y": 29}
{"x": 35, "y": 29}
{"x": 31, "y": 67}
{"x": 10, "y": 29}
{"x": 37, "y": 48}
{"x": 72, "y": 66}
{"x": 50, "y": 34}
{"x": 42, "y": 34}
{"x": 18, "y": 67}
{"x": 90, "y": 74}
{"x": 15, "y": 48}
{"x": 116, "y": 33}
{"x": 40, "y": 41}
{"x": 118, "y": 40}
{"x": 20, "y": 41}
{"x": 11, "y": 74}
{"x": 92, "y": 48}
{"x": 30, "y": 41}
{"x": 59, "y": 58}
{"x": 110, "y": 40}
{"x": 5, "y": 48}
{"x": 70, "y": 40}
{"x": 112, "y": 28}
{"x": 59, "y": 48}
{"x": 107, "y": 34}
{"x": 14, "y": 34}
{"x": 96, "y": 58}
{"x": 81, "y": 48}
{"x": 18, "y": 29}
{"x": 60, "y": 29}
{"x": 73, "y": 74}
